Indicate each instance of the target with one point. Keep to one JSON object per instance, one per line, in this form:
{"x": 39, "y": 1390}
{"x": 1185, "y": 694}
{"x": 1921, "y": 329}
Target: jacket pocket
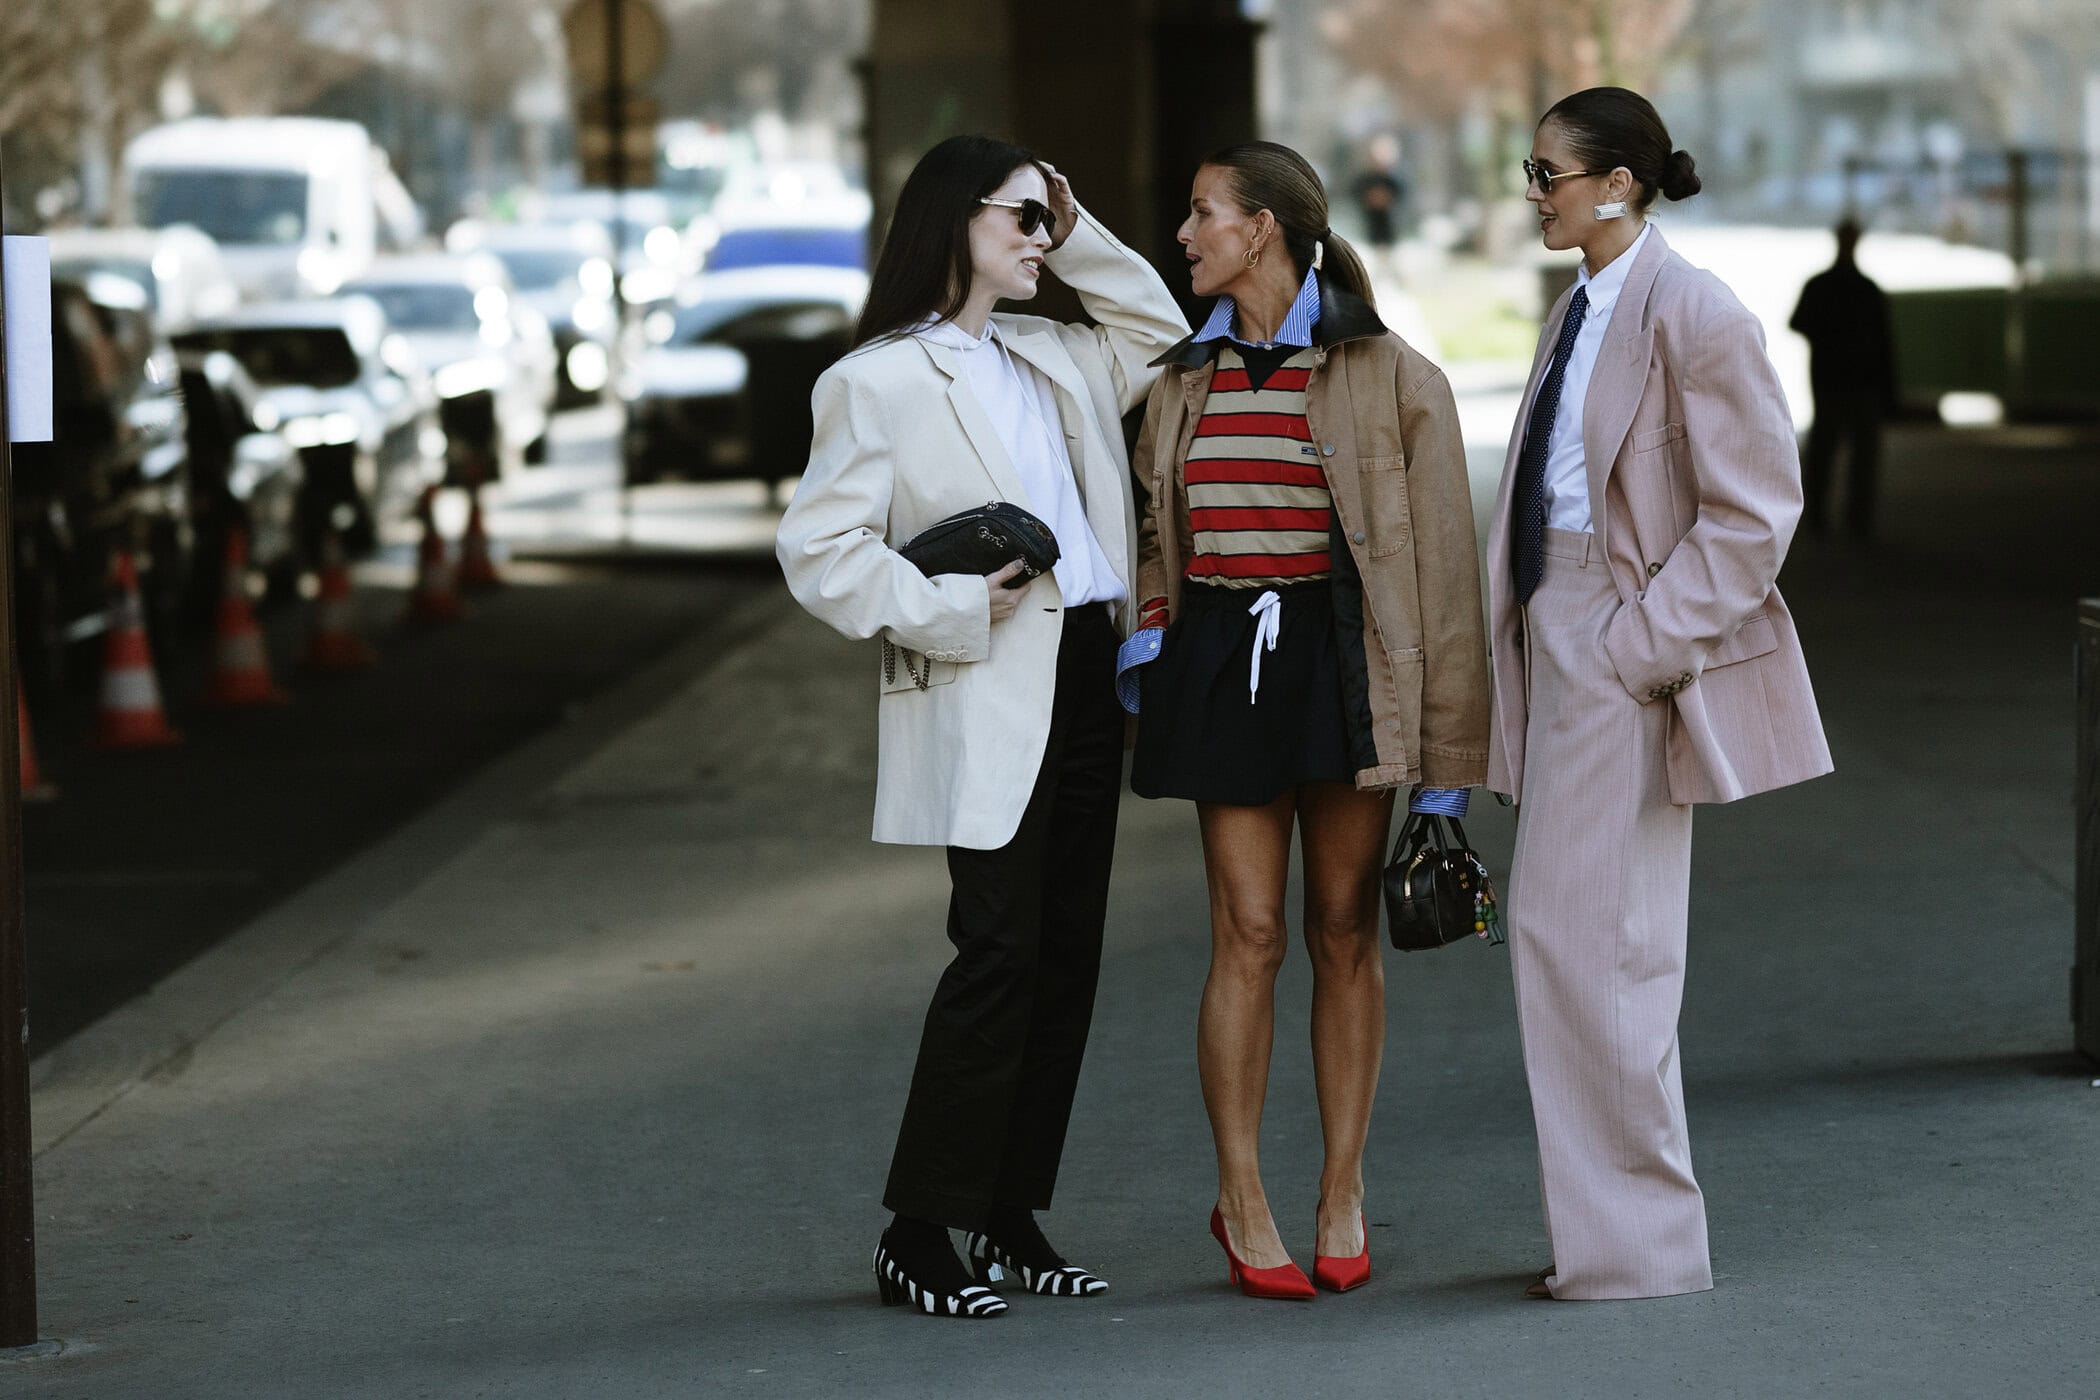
{"x": 1387, "y": 523}
{"x": 1657, "y": 437}
{"x": 900, "y": 680}
{"x": 1753, "y": 638}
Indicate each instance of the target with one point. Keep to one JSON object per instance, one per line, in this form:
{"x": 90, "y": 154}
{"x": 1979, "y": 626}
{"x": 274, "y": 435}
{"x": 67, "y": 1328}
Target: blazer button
{"x": 1654, "y": 569}
{"x": 1326, "y": 449}
{"x": 1358, "y": 537}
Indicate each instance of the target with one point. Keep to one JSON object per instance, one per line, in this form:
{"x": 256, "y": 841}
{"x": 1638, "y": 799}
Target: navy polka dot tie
{"x": 1528, "y": 558}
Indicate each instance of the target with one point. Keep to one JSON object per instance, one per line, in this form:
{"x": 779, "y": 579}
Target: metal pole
{"x": 17, "y": 1212}
{"x": 616, "y": 123}
{"x": 2016, "y": 300}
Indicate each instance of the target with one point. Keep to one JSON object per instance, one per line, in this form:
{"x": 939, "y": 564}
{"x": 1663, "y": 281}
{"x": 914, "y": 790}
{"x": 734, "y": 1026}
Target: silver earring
{"x": 1614, "y": 210}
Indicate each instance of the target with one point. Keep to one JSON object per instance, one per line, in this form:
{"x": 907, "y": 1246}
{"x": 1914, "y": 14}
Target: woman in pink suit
{"x": 1643, "y": 661}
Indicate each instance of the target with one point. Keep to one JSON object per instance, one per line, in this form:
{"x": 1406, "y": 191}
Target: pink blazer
{"x": 1695, "y": 488}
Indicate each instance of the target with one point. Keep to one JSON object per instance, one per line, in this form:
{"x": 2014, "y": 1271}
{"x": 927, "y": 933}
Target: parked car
{"x": 725, "y": 390}
{"x": 298, "y": 205}
{"x": 178, "y": 268}
{"x": 347, "y": 392}
{"x": 490, "y": 357}
{"x": 652, "y": 256}
{"x": 564, "y": 272}
{"x": 111, "y": 479}
{"x": 241, "y": 475}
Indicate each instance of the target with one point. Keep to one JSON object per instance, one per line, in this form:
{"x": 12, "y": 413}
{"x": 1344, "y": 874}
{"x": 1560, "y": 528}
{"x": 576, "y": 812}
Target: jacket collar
{"x": 1343, "y": 316}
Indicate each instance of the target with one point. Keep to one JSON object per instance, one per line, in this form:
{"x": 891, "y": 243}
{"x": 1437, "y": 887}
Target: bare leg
{"x": 1342, "y": 834}
{"x": 1246, "y": 857}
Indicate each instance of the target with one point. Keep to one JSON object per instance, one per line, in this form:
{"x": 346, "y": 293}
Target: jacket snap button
{"x": 1326, "y": 449}
{"x": 1654, "y": 569}
{"x": 1358, "y": 537}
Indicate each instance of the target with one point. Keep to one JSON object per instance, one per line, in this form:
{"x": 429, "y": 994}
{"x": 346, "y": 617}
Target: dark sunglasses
{"x": 1542, "y": 177}
{"x": 1034, "y": 214}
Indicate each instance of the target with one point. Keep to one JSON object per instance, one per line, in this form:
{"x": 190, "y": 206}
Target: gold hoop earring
{"x": 1253, "y": 257}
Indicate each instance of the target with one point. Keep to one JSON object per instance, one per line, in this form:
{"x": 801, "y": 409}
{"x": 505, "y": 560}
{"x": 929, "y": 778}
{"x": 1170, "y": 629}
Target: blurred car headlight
{"x": 267, "y": 418}
{"x": 466, "y": 377}
{"x": 318, "y": 270}
{"x": 321, "y": 430}
{"x": 590, "y": 314}
{"x": 661, "y": 245}
{"x": 588, "y": 367}
{"x": 647, "y": 284}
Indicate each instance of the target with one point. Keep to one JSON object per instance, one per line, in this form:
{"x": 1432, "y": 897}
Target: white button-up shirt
{"x": 1022, "y": 404}
{"x": 1567, "y": 471}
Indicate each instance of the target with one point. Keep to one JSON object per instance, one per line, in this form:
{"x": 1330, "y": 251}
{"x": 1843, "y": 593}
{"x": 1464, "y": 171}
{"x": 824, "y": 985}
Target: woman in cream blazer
{"x": 1001, "y": 737}
{"x": 1642, "y": 661}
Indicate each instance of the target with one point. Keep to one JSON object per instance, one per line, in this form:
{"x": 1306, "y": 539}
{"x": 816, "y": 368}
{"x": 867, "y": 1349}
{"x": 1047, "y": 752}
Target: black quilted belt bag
{"x": 981, "y": 540}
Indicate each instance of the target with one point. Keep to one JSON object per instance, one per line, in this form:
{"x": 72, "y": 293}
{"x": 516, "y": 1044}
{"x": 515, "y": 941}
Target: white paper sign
{"x": 28, "y": 308}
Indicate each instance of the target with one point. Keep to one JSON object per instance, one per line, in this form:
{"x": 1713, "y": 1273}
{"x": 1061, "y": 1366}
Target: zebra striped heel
{"x": 988, "y": 1263}
{"x": 899, "y": 1289}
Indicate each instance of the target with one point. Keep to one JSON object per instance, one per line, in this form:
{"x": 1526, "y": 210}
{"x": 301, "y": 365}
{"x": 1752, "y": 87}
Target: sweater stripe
{"x": 1259, "y": 507}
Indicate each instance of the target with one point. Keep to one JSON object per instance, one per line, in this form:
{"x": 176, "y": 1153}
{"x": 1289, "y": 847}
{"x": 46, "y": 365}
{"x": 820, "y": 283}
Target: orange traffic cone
{"x": 476, "y": 568}
{"x": 34, "y": 788}
{"x": 433, "y": 599}
{"x": 240, "y": 667}
{"x": 334, "y": 644}
{"x": 131, "y": 716}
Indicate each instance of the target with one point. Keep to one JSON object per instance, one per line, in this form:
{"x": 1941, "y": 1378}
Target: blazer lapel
{"x": 983, "y": 436}
{"x": 1093, "y": 471}
{"x": 1498, "y": 521}
{"x": 1622, "y": 371}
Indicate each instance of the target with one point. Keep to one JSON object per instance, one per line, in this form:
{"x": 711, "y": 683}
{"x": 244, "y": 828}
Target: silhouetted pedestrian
{"x": 1844, "y": 316}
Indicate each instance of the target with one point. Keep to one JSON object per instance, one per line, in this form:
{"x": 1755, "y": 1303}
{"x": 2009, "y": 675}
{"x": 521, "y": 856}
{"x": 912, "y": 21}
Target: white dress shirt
{"x": 1022, "y": 404}
{"x": 1567, "y": 472}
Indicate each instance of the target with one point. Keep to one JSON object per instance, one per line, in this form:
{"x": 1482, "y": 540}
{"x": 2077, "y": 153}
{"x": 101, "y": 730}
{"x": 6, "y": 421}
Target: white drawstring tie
{"x": 1268, "y": 626}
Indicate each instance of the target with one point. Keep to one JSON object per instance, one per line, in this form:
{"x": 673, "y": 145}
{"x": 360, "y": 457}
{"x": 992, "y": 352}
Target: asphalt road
{"x": 148, "y": 858}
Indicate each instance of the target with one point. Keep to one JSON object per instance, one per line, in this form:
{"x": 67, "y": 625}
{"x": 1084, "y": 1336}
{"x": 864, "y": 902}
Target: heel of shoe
{"x": 892, "y": 1291}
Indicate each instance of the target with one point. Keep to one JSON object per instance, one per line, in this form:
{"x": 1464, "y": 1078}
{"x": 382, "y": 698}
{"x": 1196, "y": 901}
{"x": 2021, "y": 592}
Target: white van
{"x": 298, "y": 205}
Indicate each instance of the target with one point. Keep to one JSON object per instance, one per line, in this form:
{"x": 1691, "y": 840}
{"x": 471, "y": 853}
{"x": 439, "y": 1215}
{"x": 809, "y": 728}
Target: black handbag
{"x": 1437, "y": 889}
{"x": 984, "y": 540}
{"x": 981, "y": 540}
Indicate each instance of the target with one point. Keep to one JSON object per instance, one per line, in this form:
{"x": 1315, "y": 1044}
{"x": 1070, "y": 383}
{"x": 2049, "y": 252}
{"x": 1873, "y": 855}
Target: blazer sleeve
{"x": 831, "y": 542}
{"x": 1447, "y": 579}
{"x": 1748, "y": 471}
{"x": 1138, "y": 317}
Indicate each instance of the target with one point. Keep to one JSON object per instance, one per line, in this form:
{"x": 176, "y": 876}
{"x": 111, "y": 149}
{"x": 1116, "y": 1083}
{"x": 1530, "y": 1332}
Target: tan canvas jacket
{"x": 1406, "y": 570}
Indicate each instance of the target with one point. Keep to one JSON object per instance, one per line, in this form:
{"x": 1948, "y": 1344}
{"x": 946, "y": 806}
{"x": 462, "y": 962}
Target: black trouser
{"x": 999, "y": 1059}
{"x": 1856, "y": 420}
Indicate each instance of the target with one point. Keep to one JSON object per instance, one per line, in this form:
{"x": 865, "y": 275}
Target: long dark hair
{"x": 924, "y": 267}
{"x": 1264, "y": 175}
{"x": 1608, "y": 127}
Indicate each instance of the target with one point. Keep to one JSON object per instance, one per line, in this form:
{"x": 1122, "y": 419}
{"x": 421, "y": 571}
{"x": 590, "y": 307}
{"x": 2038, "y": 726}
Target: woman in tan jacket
{"x": 1311, "y": 640}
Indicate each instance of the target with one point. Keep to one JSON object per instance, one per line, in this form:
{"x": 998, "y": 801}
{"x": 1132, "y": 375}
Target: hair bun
{"x": 1680, "y": 178}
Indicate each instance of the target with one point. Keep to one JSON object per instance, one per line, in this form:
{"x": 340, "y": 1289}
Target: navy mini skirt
{"x": 1209, "y": 730}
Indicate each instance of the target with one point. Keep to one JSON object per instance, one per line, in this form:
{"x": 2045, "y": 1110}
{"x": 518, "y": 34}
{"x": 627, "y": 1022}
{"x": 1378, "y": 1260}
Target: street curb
{"x": 156, "y": 1032}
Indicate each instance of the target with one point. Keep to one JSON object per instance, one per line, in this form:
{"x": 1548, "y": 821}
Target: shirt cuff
{"x": 1443, "y": 802}
{"x": 1143, "y": 646}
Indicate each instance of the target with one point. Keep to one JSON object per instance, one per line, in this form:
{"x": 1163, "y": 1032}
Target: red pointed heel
{"x": 1341, "y": 1275}
{"x": 1284, "y": 1281}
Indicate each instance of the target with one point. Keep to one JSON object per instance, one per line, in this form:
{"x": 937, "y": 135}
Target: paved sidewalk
{"x": 584, "y": 1086}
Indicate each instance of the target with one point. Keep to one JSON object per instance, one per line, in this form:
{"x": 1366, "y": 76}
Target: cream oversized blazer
{"x": 1695, "y": 488}
{"x": 901, "y": 442}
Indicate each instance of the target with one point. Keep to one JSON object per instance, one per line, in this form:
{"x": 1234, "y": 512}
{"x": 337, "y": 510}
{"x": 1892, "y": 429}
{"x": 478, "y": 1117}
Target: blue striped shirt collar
{"x": 1297, "y": 327}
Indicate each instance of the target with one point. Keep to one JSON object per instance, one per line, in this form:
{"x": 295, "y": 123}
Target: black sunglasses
{"x": 1544, "y": 178}
{"x": 1034, "y": 214}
